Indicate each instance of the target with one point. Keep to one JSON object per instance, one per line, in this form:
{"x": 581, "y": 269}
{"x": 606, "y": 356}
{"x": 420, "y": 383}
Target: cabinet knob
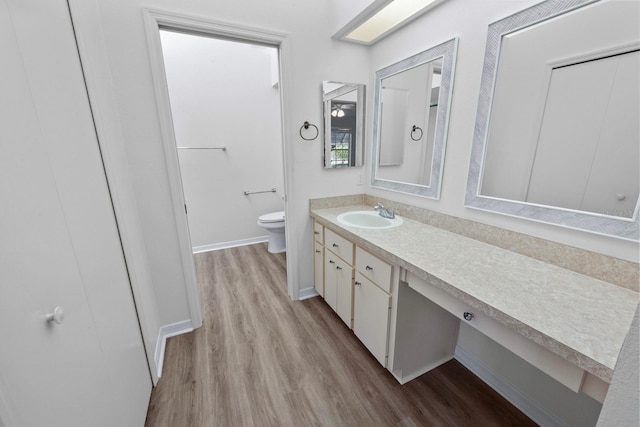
{"x": 331, "y": 261}
{"x": 335, "y": 245}
{"x": 57, "y": 316}
{"x": 368, "y": 268}
{"x": 316, "y": 232}
{"x": 467, "y": 316}
{"x": 317, "y": 251}
{"x": 338, "y": 267}
{"x": 358, "y": 283}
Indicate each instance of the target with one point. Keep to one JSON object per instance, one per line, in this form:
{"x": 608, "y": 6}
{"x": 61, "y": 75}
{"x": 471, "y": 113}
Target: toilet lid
{"x": 272, "y": 217}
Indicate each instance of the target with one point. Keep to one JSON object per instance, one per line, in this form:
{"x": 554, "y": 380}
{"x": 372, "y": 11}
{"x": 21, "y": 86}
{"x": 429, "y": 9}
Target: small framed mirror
{"x": 343, "y": 107}
{"x": 412, "y": 102}
{"x": 557, "y": 137}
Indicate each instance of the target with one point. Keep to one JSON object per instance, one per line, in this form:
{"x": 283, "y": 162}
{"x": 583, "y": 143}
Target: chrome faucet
{"x": 384, "y": 212}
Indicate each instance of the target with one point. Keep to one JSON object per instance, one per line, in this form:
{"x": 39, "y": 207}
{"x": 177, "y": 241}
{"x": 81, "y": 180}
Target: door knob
{"x": 57, "y": 315}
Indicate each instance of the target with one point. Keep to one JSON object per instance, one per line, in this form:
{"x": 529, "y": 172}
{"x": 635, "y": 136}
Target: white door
{"x": 59, "y": 244}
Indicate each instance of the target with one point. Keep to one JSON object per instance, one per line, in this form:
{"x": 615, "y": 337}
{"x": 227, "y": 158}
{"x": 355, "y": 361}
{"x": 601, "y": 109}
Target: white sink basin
{"x": 368, "y": 219}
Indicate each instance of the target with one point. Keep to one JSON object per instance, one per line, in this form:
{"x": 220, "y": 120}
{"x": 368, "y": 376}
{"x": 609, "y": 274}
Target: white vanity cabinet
{"x": 338, "y": 275}
{"x": 372, "y": 303}
{"x": 361, "y": 296}
{"x": 371, "y": 306}
{"x": 318, "y": 258}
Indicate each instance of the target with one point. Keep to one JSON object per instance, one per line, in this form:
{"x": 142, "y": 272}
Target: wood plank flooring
{"x": 263, "y": 360}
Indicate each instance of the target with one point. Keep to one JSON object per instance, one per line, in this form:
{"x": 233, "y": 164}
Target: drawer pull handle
{"x": 338, "y": 267}
{"x": 317, "y": 251}
{"x": 467, "y": 316}
{"x": 368, "y": 268}
{"x": 358, "y": 283}
{"x": 331, "y": 261}
{"x": 316, "y": 232}
{"x": 335, "y": 245}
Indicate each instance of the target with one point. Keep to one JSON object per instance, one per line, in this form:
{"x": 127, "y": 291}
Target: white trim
{"x": 405, "y": 379}
{"x": 95, "y": 64}
{"x": 168, "y": 331}
{"x": 154, "y": 19}
{"x": 507, "y": 390}
{"x": 307, "y": 293}
{"x": 231, "y": 244}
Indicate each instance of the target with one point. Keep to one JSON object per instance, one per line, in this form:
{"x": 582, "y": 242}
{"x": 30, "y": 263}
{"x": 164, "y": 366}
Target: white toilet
{"x": 274, "y": 224}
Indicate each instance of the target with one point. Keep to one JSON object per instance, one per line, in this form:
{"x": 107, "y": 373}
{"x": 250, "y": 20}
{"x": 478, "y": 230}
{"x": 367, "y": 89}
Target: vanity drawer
{"x": 318, "y": 232}
{"x": 339, "y": 246}
{"x": 374, "y": 269}
{"x": 553, "y": 365}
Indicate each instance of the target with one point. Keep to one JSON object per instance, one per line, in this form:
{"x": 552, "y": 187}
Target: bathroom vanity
{"x": 405, "y": 291}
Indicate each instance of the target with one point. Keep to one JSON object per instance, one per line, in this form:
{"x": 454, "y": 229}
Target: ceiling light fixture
{"x": 337, "y": 112}
{"x": 382, "y": 18}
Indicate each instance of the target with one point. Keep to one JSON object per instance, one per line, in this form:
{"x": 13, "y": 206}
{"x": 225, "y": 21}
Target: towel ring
{"x": 306, "y": 125}
{"x": 413, "y": 129}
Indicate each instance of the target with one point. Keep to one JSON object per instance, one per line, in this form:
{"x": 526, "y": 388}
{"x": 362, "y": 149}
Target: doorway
{"x": 225, "y": 107}
{"x": 158, "y": 20}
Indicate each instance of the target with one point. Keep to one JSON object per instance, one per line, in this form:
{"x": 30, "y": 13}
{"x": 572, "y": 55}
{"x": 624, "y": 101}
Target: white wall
{"x": 222, "y": 94}
{"x": 469, "y": 22}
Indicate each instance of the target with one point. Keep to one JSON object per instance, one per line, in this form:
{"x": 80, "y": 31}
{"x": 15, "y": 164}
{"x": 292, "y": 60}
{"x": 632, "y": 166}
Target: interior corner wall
{"x": 469, "y": 21}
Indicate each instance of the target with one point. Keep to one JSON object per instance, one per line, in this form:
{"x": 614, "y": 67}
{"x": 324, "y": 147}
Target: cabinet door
{"x": 344, "y": 279}
{"x": 330, "y": 280}
{"x": 318, "y": 268}
{"x": 371, "y": 316}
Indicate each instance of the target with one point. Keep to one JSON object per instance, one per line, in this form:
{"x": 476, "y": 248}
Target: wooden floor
{"x": 263, "y": 360}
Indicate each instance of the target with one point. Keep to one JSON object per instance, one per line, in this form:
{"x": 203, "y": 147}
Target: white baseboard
{"x": 307, "y": 293}
{"x": 518, "y": 399}
{"x": 403, "y": 379}
{"x": 232, "y": 244}
{"x": 168, "y": 331}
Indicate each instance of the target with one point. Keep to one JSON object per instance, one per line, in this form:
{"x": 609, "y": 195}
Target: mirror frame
{"x": 448, "y": 52}
{"x": 360, "y": 114}
{"x": 624, "y": 228}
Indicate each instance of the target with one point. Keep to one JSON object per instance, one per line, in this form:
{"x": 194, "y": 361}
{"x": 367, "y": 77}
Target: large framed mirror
{"x": 412, "y": 102}
{"x": 343, "y": 108}
{"x": 557, "y": 135}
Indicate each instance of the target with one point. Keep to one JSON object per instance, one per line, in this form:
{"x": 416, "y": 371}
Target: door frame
{"x": 154, "y": 20}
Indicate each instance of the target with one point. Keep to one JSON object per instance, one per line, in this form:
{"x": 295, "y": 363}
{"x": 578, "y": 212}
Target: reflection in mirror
{"x": 408, "y": 107}
{"x": 410, "y": 121}
{"x": 343, "y": 124}
{"x": 557, "y": 133}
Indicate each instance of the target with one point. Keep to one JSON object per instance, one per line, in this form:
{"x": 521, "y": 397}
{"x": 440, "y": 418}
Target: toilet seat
{"x": 272, "y": 217}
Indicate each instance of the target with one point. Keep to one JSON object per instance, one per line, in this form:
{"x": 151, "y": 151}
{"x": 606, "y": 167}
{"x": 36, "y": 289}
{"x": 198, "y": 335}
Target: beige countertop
{"x": 582, "y": 319}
